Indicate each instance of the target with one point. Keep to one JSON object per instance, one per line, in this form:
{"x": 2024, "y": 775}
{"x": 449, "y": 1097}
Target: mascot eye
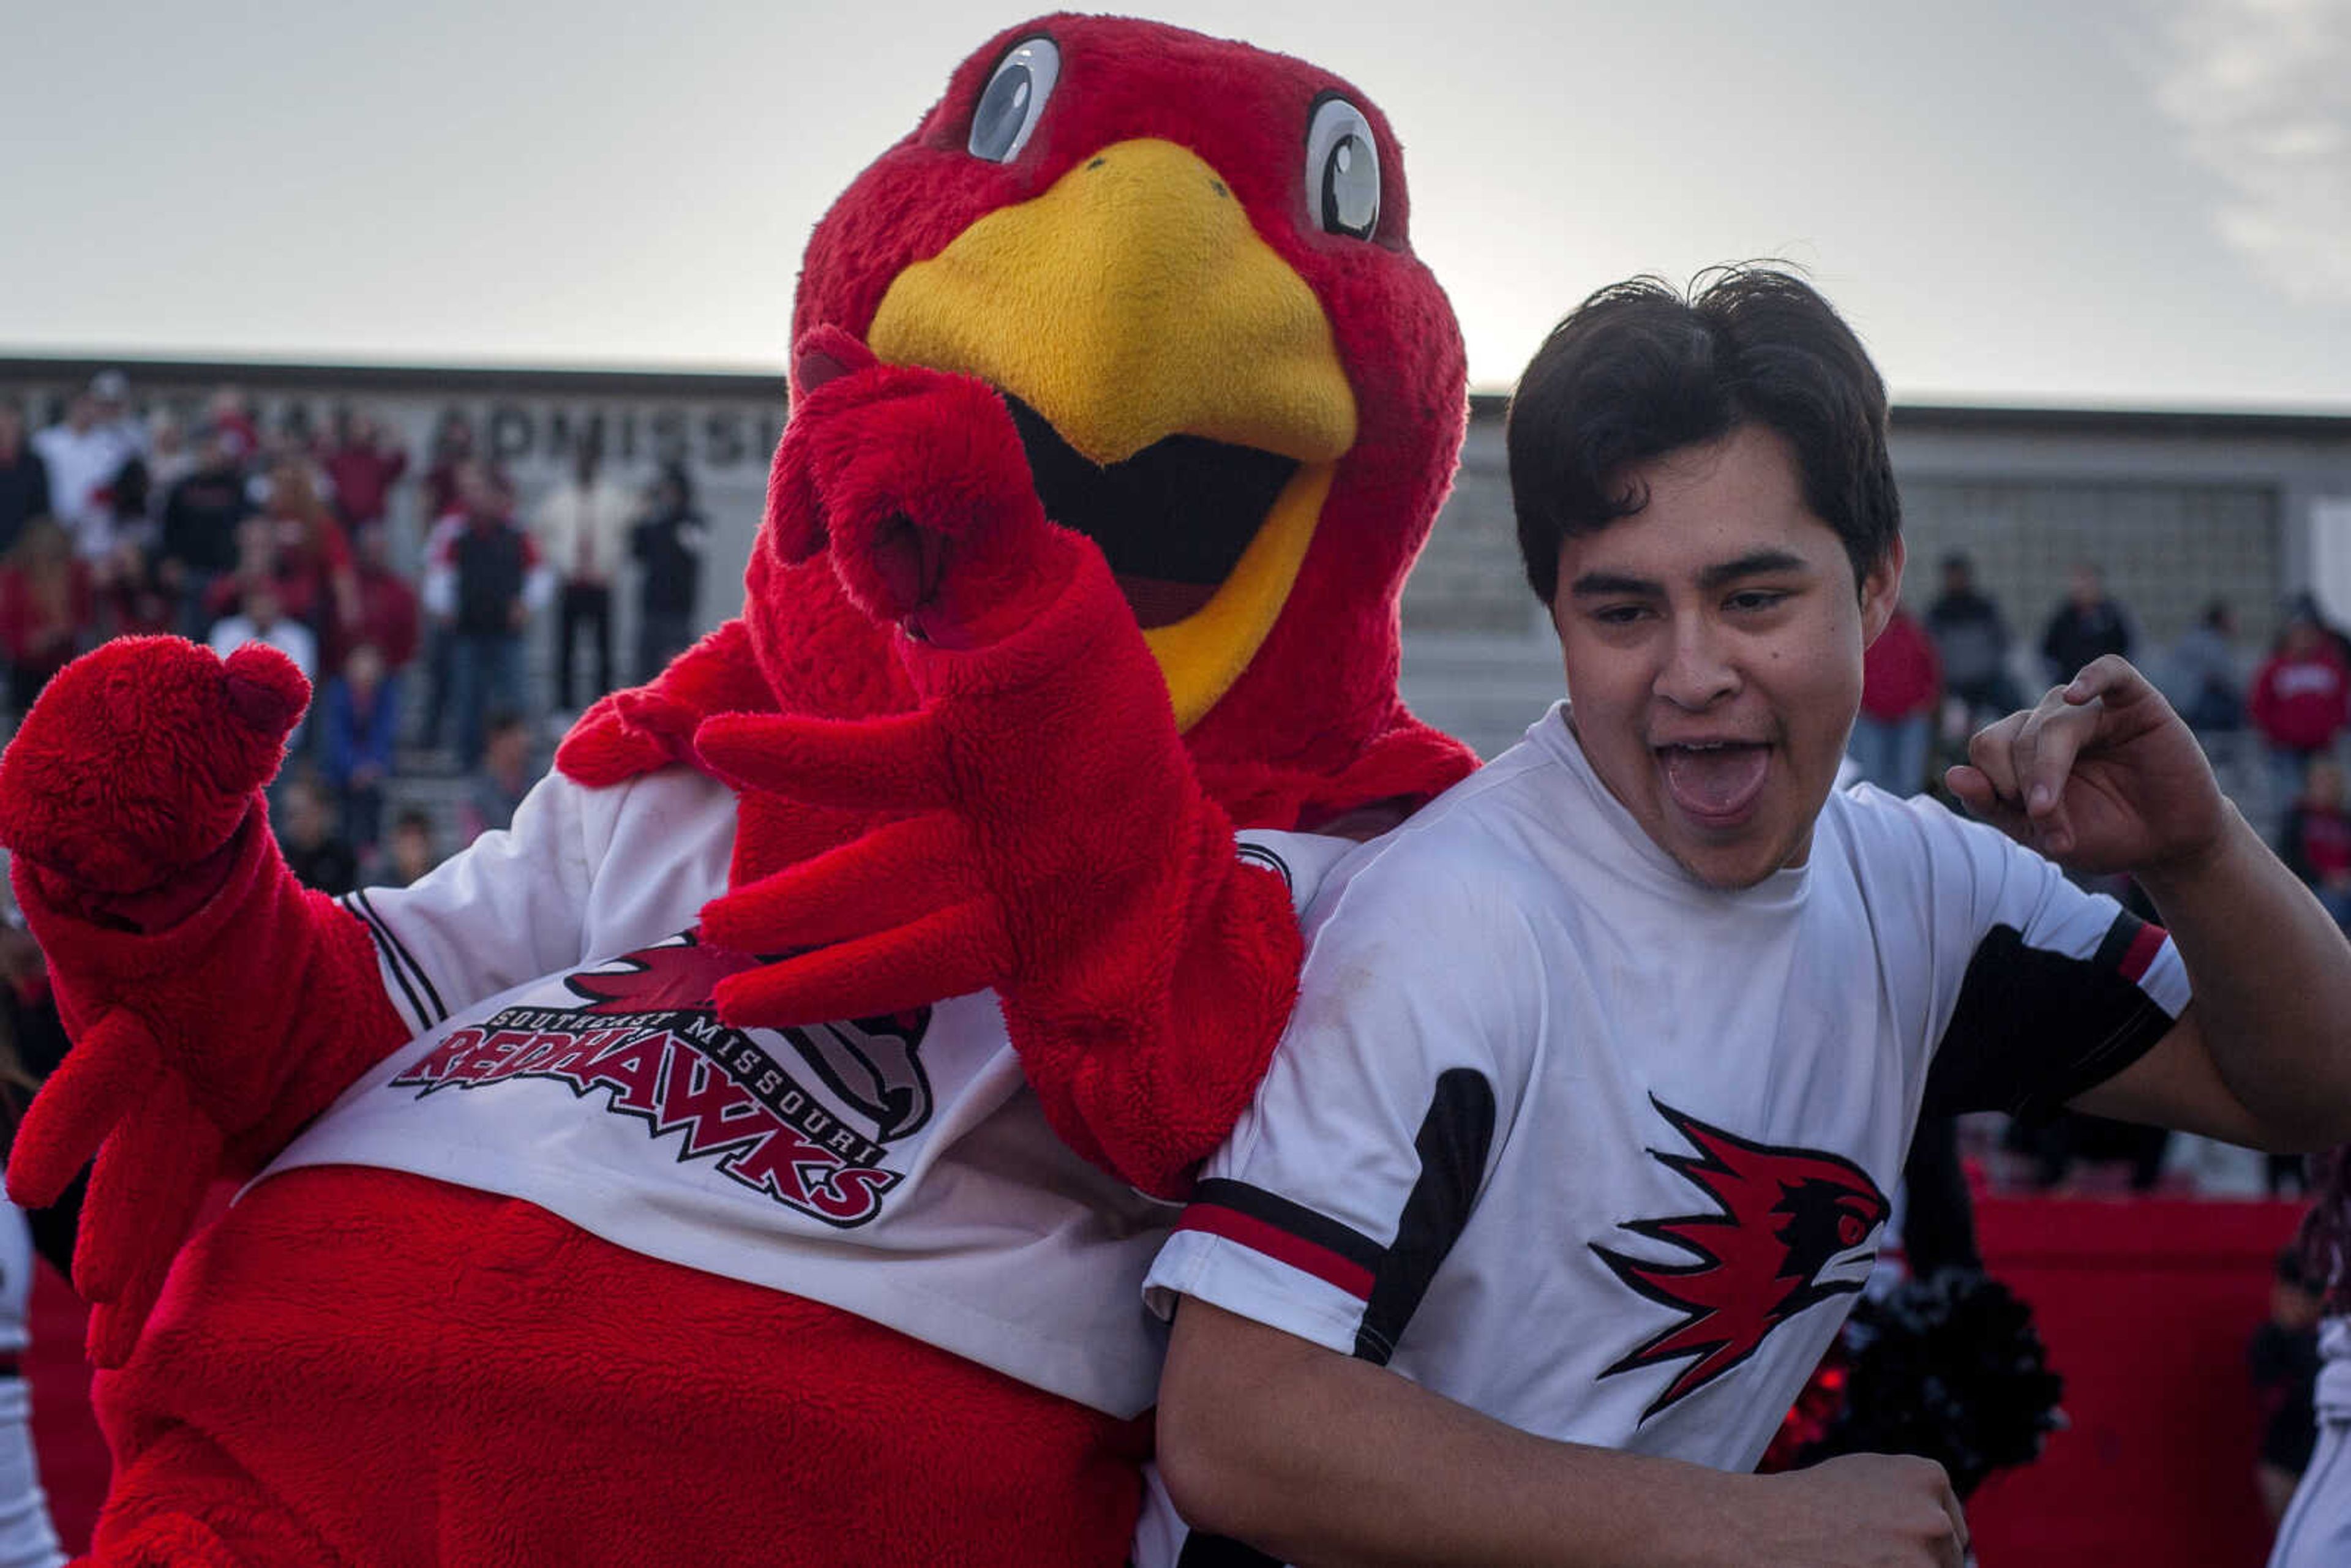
{"x": 1015, "y": 98}
{"x": 1342, "y": 170}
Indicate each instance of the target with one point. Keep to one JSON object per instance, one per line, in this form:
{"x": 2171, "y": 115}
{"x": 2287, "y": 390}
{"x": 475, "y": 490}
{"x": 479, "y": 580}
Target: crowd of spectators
{"x": 115, "y": 524}
{"x": 2285, "y": 710}
{"x": 2279, "y": 716}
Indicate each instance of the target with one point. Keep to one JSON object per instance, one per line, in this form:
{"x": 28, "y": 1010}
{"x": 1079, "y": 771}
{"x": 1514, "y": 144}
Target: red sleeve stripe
{"x": 1258, "y": 1236}
{"x": 2143, "y": 946}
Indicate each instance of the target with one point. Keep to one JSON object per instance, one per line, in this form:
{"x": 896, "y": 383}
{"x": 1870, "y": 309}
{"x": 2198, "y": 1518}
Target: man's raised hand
{"x": 2100, "y": 776}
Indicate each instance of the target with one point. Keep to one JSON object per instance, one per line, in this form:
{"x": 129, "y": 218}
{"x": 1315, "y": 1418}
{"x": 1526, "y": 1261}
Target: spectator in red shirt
{"x": 1901, "y": 685}
{"x": 314, "y": 556}
{"x": 388, "y": 613}
{"x": 296, "y": 546}
{"x": 364, "y": 469}
{"x": 2314, "y": 837}
{"x": 2300, "y": 701}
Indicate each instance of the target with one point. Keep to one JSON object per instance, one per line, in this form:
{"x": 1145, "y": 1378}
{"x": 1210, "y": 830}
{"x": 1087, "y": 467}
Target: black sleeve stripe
{"x": 2117, "y": 942}
{"x": 1272, "y": 863}
{"x": 2129, "y": 1039}
{"x": 1454, "y": 1139}
{"x": 1453, "y": 1142}
{"x": 1221, "y": 1551}
{"x": 1296, "y": 1219}
{"x": 384, "y": 948}
{"x": 399, "y": 954}
{"x": 2034, "y": 1029}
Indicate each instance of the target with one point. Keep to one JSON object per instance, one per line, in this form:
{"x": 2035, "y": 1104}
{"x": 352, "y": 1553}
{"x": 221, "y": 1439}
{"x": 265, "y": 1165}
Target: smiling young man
{"x": 1604, "y": 1064}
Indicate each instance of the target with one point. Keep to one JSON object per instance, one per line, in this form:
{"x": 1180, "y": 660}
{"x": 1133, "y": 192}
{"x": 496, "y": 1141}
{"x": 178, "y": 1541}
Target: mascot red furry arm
{"x": 784, "y": 1150}
{"x": 1144, "y": 969}
{"x": 176, "y": 937}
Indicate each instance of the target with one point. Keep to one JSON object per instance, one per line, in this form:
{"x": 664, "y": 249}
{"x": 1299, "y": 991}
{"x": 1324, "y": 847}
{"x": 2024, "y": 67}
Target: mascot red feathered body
{"x": 1122, "y": 407}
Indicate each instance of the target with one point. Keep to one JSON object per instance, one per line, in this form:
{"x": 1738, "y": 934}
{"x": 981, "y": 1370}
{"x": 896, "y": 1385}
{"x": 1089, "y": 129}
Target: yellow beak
{"x": 1131, "y": 302}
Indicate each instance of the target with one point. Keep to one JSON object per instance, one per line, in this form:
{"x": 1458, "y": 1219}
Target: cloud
{"x": 2260, "y": 93}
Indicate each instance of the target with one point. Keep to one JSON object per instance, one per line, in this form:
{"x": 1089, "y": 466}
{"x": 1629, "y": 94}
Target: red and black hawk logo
{"x": 677, "y": 976}
{"x": 873, "y": 1063}
{"x": 1781, "y": 1215}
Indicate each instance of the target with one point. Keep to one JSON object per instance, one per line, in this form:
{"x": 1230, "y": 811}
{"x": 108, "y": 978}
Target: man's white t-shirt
{"x": 1564, "y": 1134}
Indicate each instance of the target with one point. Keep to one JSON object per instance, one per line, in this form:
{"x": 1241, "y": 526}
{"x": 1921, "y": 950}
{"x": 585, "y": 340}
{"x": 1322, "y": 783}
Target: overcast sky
{"x": 2142, "y": 202}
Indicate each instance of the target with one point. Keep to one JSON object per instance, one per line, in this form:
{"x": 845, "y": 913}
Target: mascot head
{"x": 1186, "y": 266}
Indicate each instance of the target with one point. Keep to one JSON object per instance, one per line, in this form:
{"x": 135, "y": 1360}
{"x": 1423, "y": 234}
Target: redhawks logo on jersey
{"x": 651, "y": 1038}
{"x": 1781, "y": 1218}
{"x": 871, "y": 1063}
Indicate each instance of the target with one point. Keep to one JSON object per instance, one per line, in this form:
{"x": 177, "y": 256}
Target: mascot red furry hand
{"x": 754, "y": 1154}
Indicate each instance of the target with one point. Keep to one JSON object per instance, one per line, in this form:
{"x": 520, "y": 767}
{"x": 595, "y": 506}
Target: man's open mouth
{"x": 1715, "y": 782}
{"x": 1172, "y": 521}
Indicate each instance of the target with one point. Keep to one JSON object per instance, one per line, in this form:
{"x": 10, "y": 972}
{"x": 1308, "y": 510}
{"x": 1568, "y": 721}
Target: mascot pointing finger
{"x": 753, "y": 1155}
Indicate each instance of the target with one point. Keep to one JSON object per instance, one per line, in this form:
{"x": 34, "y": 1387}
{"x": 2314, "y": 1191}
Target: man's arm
{"x": 1321, "y": 1459}
{"x": 2101, "y": 776}
{"x": 2258, "y": 1059}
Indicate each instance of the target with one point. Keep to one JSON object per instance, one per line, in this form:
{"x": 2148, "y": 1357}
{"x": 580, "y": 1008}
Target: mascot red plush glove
{"x": 151, "y": 865}
{"x": 737, "y": 1161}
{"x": 1004, "y": 874}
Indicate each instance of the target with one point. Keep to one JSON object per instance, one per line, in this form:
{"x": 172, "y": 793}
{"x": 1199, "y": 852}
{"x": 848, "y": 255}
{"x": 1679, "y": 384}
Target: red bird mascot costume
{"x": 753, "y": 1156}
